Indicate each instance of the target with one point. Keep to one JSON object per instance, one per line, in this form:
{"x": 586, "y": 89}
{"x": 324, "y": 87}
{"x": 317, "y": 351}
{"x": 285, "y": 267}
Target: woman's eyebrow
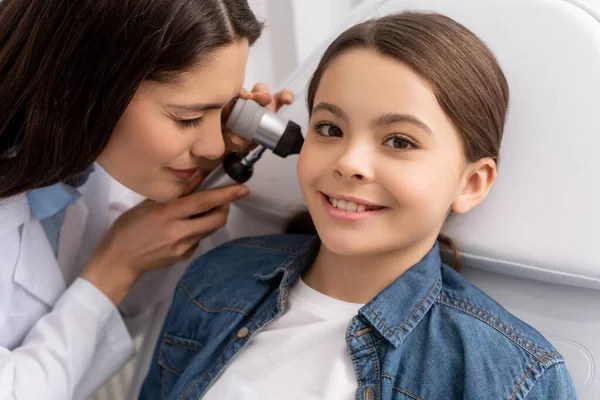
{"x": 195, "y": 107}
{"x": 200, "y": 107}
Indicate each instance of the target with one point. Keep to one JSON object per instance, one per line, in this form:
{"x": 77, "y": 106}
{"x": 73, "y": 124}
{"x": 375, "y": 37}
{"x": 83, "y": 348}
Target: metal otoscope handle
{"x": 234, "y": 170}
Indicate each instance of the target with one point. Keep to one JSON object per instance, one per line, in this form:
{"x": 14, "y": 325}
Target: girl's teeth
{"x": 347, "y": 205}
{"x": 350, "y": 206}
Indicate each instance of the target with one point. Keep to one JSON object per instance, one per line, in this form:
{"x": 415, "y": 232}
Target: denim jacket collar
{"x": 396, "y": 310}
{"x": 292, "y": 267}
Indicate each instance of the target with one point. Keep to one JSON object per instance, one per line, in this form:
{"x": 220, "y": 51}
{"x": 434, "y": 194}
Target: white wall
{"x": 293, "y": 28}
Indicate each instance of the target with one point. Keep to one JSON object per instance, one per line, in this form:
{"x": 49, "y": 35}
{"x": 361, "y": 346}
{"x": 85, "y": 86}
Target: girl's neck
{"x": 358, "y": 279}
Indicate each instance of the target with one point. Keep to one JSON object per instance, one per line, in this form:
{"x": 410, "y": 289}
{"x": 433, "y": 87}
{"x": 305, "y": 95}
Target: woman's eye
{"x": 400, "y": 143}
{"x": 328, "y": 130}
{"x": 190, "y": 123}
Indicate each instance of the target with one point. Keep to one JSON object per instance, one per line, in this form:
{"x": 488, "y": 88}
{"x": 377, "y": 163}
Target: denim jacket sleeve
{"x": 554, "y": 384}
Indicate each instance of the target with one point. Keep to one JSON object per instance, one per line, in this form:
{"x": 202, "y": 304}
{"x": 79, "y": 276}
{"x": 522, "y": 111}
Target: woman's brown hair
{"x": 68, "y": 70}
{"x": 463, "y": 74}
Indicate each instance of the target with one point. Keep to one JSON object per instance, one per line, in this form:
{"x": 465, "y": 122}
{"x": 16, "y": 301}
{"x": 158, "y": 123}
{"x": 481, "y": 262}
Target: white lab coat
{"x": 60, "y": 337}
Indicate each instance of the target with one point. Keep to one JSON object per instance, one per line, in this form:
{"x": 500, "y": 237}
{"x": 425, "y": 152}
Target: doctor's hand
{"x": 261, "y": 93}
{"x": 154, "y": 235}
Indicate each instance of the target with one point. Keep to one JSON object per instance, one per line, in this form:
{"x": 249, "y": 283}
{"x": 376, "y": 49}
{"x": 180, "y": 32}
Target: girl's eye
{"x": 400, "y": 143}
{"x": 190, "y": 123}
{"x": 328, "y": 130}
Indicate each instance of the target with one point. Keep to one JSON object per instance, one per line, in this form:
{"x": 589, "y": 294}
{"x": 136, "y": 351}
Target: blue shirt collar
{"x": 48, "y": 201}
{"x": 397, "y": 309}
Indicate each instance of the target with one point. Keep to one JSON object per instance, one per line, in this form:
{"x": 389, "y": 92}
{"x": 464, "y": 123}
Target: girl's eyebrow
{"x": 386, "y": 119}
{"x": 393, "y": 118}
{"x": 332, "y": 108}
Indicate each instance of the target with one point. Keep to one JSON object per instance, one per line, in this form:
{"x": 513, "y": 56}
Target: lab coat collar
{"x": 37, "y": 270}
{"x": 14, "y": 212}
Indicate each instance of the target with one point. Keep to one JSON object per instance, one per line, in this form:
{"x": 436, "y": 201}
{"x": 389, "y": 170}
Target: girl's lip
{"x": 343, "y": 215}
{"x": 183, "y": 173}
{"x": 354, "y": 199}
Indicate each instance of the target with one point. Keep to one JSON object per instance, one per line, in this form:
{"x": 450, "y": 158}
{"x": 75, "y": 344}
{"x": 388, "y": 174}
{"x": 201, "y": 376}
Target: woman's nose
{"x": 209, "y": 142}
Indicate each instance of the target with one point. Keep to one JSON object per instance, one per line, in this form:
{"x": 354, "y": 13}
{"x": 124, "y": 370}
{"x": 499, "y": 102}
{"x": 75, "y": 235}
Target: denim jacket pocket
{"x": 176, "y": 353}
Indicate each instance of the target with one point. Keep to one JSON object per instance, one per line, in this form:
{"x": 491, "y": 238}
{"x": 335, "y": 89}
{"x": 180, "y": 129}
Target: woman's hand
{"x": 262, "y": 95}
{"x": 154, "y": 235}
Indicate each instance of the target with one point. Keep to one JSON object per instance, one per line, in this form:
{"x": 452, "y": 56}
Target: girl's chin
{"x": 346, "y": 244}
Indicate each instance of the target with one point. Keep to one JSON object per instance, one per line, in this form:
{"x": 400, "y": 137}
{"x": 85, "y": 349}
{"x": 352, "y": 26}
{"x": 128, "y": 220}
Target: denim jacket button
{"x": 242, "y": 333}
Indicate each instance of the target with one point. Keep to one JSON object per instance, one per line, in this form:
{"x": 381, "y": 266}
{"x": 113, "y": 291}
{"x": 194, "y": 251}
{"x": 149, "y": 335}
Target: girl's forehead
{"x": 367, "y": 77}
{"x": 366, "y": 85}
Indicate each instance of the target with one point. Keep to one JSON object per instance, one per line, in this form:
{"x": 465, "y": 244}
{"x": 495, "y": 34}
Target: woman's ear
{"x": 476, "y": 183}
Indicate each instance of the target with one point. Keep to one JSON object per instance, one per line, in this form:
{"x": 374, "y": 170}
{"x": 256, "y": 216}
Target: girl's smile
{"x": 345, "y": 208}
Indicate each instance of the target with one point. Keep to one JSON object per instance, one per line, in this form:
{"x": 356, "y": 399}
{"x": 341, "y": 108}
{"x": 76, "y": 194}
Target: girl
{"x": 137, "y": 86}
{"x": 406, "y": 116}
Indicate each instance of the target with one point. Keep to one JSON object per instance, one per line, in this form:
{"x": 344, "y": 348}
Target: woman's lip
{"x": 184, "y": 173}
{"x": 343, "y": 215}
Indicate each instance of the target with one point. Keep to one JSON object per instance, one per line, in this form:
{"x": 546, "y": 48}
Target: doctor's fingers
{"x": 201, "y": 202}
{"x": 262, "y": 94}
{"x": 283, "y": 97}
{"x": 187, "y": 247}
{"x": 204, "y": 225}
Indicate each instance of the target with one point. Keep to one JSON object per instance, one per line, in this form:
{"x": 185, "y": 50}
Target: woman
{"x": 131, "y": 89}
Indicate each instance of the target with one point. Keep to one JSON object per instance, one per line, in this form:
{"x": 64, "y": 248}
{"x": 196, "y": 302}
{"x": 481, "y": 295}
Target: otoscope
{"x": 251, "y": 121}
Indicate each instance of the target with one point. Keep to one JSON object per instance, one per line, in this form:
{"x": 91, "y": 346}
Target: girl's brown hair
{"x": 463, "y": 74}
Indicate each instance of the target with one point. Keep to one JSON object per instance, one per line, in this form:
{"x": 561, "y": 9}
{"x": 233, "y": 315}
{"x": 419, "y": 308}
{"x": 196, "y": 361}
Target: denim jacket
{"x": 429, "y": 335}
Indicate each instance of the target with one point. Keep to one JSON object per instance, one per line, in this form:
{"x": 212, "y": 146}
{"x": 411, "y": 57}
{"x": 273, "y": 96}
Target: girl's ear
{"x": 476, "y": 183}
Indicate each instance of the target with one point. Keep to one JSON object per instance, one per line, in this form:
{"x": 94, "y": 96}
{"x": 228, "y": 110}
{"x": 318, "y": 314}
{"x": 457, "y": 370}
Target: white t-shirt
{"x": 302, "y": 355}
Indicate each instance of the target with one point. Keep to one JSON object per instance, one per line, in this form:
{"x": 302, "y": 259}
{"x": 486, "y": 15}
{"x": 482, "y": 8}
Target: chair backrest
{"x": 532, "y": 243}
